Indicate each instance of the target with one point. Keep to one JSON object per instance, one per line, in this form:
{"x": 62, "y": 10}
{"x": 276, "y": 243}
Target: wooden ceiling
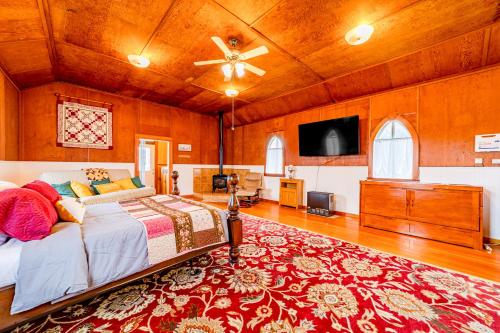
{"x": 86, "y": 42}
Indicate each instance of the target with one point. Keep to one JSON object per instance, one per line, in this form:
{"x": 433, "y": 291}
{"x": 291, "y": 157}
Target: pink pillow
{"x": 44, "y": 189}
{"x": 26, "y": 214}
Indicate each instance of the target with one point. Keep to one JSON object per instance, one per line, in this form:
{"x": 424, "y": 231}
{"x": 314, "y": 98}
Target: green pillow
{"x": 98, "y": 182}
{"x": 64, "y": 189}
{"x": 137, "y": 182}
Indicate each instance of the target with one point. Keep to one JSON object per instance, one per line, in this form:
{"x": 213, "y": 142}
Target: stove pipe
{"x": 221, "y": 142}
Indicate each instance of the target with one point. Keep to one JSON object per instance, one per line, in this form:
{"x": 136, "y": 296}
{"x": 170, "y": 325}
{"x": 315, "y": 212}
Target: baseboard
{"x": 488, "y": 240}
{"x": 355, "y": 216}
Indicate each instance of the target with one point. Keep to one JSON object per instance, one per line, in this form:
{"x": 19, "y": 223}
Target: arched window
{"x": 274, "y": 156}
{"x": 393, "y": 152}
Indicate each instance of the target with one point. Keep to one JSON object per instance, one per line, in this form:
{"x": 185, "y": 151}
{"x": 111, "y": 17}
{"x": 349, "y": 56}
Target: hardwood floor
{"x": 468, "y": 261}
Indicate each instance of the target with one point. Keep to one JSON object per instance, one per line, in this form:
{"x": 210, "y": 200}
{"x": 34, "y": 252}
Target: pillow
{"x": 108, "y": 188}
{"x": 80, "y": 189}
{"x": 44, "y": 189}
{"x": 125, "y": 184}
{"x": 3, "y": 239}
{"x": 137, "y": 182}
{"x": 64, "y": 189}
{"x": 26, "y": 214}
{"x": 70, "y": 210}
{"x": 5, "y": 185}
{"x": 96, "y": 174}
{"x": 98, "y": 182}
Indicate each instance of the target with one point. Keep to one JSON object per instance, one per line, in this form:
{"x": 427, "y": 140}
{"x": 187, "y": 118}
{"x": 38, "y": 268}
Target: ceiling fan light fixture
{"x": 138, "y": 60}
{"x": 359, "y": 34}
{"x": 231, "y": 92}
{"x": 240, "y": 69}
{"x": 227, "y": 70}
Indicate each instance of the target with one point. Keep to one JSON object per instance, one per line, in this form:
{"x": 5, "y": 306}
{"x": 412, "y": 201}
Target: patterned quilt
{"x": 175, "y": 225}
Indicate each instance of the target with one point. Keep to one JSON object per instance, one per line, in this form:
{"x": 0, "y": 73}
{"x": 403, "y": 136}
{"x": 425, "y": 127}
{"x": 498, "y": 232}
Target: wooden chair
{"x": 249, "y": 193}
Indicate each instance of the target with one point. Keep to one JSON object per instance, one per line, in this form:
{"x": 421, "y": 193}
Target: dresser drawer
{"x": 443, "y": 233}
{"x": 385, "y": 223}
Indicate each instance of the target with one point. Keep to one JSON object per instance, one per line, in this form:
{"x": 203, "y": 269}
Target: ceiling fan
{"x": 234, "y": 60}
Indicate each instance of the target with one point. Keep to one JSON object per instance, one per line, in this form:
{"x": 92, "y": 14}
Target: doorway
{"x": 153, "y": 161}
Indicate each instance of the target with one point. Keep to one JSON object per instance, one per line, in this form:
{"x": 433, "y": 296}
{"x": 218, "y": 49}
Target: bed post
{"x": 234, "y": 223}
{"x": 175, "y": 190}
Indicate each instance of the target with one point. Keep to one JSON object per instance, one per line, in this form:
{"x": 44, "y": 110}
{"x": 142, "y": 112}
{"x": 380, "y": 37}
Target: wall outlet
{"x": 478, "y": 161}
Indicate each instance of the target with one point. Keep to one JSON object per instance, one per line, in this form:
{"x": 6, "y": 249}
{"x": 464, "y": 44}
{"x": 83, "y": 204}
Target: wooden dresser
{"x": 447, "y": 213}
{"x": 291, "y": 192}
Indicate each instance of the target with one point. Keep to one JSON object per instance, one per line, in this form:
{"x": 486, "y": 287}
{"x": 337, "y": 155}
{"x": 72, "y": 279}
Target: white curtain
{"x": 274, "y": 156}
{"x": 393, "y": 152}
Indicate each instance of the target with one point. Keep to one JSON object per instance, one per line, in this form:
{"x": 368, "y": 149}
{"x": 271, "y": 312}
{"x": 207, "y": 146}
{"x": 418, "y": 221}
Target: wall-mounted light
{"x": 359, "y": 35}
{"x": 138, "y": 60}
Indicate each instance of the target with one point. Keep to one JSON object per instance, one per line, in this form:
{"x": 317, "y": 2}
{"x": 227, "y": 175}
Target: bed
{"x": 10, "y": 253}
{"x": 117, "y": 243}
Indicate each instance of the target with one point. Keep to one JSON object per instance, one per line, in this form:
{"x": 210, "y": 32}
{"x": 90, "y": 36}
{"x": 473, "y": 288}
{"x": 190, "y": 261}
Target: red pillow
{"x": 25, "y": 214}
{"x": 44, "y": 189}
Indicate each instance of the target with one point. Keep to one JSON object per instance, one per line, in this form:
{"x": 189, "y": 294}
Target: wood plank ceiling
{"x": 86, "y": 42}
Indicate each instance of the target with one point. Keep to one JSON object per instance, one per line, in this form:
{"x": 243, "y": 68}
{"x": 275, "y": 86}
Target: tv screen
{"x": 330, "y": 137}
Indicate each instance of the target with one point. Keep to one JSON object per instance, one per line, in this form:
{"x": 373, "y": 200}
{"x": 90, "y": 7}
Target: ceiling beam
{"x": 159, "y": 26}
{"x": 44, "y": 10}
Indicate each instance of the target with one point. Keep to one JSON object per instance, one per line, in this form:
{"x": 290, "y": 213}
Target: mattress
{"x": 10, "y": 253}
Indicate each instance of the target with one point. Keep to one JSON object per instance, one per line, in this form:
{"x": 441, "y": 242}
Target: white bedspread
{"x": 10, "y": 253}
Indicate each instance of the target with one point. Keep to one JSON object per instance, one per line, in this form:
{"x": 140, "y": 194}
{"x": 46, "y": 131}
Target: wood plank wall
{"x": 130, "y": 116}
{"x": 9, "y": 119}
{"x": 446, "y": 114}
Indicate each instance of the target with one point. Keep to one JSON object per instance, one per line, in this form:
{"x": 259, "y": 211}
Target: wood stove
{"x": 219, "y": 182}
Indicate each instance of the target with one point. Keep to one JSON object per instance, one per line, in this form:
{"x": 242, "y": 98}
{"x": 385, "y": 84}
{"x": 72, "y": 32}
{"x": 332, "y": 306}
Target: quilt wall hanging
{"x": 84, "y": 126}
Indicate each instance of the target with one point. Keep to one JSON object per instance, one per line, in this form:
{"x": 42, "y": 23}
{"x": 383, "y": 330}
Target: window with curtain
{"x": 274, "y": 156}
{"x": 393, "y": 152}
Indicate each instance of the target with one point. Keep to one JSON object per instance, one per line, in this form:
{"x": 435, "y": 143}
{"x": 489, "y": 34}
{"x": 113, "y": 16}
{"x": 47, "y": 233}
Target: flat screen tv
{"x": 330, "y": 137}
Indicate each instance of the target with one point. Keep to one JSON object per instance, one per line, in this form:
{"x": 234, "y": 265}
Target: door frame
{"x": 138, "y": 137}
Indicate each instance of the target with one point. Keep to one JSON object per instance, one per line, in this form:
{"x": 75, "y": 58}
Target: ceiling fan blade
{"x": 209, "y": 62}
{"x": 253, "y": 69}
{"x": 254, "y": 53}
{"x": 220, "y": 43}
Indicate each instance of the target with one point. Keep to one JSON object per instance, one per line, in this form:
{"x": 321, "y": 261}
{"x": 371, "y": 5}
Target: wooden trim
{"x": 414, "y": 136}
{"x": 156, "y": 138}
{"x": 46, "y": 19}
{"x": 489, "y": 240}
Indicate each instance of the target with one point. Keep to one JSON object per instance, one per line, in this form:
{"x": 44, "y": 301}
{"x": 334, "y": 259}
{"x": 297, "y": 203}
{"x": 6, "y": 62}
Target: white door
{"x": 147, "y": 164}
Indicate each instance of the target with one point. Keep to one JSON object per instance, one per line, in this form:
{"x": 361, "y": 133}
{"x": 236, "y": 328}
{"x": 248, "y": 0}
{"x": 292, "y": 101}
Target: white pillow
{"x": 6, "y": 185}
{"x": 3, "y": 238}
{"x": 73, "y": 207}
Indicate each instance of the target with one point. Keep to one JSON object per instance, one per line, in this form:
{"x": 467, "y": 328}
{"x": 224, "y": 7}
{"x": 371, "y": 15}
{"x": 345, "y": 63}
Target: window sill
{"x": 273, "y": 175}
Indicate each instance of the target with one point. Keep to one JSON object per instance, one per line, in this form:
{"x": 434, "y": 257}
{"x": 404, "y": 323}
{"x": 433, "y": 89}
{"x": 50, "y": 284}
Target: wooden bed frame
{"x": 235, "y": 230}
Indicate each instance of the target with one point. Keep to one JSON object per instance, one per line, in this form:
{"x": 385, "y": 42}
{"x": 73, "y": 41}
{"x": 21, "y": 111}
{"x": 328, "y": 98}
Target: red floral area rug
{"x": 289, "y": 280}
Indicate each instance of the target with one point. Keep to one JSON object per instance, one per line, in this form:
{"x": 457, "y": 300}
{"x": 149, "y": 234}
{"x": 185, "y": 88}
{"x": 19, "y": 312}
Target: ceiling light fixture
{"x": 138, "y": 60}
{"x": 231, "y": 92}
{"x": 359, "y": 35}
{"x": 240, "y": 69}
{"x": 228, "y": 70}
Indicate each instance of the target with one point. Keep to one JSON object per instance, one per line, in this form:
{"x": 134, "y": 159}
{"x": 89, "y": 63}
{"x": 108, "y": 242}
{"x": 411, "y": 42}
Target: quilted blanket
{"x": 174, "y": 225}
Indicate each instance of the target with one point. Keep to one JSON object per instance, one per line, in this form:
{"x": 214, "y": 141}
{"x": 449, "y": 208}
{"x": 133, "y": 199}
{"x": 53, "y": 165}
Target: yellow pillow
{"x": 81, "y": 190}
{"x": 107, "y": 188}
{"x": 125, "y": 184}
{"x": 69, "y": 210}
